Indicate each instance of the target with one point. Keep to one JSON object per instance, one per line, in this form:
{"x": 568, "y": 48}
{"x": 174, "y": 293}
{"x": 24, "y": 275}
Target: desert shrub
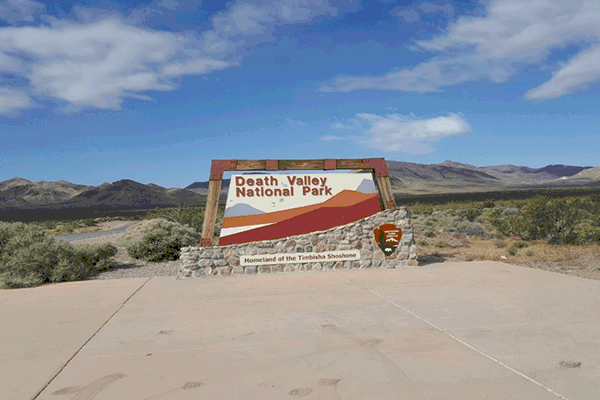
{"x": 470, "y": 213}
{"x": 529, "y": 253}
{"x": 515, "y": 248}
{"x": 500, "y": 244}
{"x": 422, "y": 242}
{"x": 503, "y": 225}
{"x": 592, "y": 237}
{"x": 189, "y": 215}
{"x": 28, "y": 258}
{"x": 162, "y": 243}
{"x": 489, "y": 203}
{"x": 472, "y": 229}
{"x": 97, "y": 256}
{"x": 441, "y": 244}
{"x": 420, "y": 208}
{"x": 563, "y": 216}
{"x": 510, "y": 211}
{"x": 430, "y": 234}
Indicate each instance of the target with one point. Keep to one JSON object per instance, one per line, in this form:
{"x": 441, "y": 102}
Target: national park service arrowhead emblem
{"x": 387, "y": 237}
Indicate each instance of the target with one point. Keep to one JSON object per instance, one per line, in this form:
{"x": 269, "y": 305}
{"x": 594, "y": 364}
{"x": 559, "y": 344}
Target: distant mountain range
{"x": 450, "y": 177}
{"x": 19, "y": 193}
{"x": 406, "y": 178}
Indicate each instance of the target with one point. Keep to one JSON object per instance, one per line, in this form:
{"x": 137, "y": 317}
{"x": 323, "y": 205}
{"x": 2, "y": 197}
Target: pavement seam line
{"x": 86, "y": 342}
{"x": 470, "y": 346}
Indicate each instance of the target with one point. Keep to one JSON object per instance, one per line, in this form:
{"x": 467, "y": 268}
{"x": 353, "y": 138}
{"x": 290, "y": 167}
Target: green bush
{"x": 515, "y": 248}
{"x": 529, "y": 253}
{"x": 472, "y": 229}
{"x": 554, "y": 220}
{"x": 430, "y": 234}
{"x": 470, "y": 214}
{"x": 28, "y": 258}
{"x": 500, "y": 244}
{"x": 441, "y": 243}
{"x": 163, "y": 243}
{"x": 500, "y": 223}
{"x": 422, "y": 242}
{"x": 189, "y": 215}
{"x": 490, "y": 203}
{"x": 420, "y": 208}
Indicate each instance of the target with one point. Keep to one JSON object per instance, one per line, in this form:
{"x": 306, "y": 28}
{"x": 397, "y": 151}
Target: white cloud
{"x": 329, "y": 138}
{"x": 15, "y": 11}
{"x": 407, "y": 134}
{"x": 292, "y": 122}
{"x": 257, "y": 22}
{"x": 574, "y": 76}
{"x": 11, "y": 101}
{"x": 100, "y": 64}
{"x": 195, "y": 67}
{"x": 337, "y": 125}
{"x": 106, "y": 56}
{"x": 431, "y": 8}
{"x": 170, "y": 4}
{"x": 407, "y": 15}
{"x": 512, "y": 34}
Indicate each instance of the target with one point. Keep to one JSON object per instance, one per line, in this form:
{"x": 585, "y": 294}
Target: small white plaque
{"x": 294, "y": 258}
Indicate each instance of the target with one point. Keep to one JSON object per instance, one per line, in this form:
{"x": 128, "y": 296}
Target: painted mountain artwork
{"x": 266, "y": 207}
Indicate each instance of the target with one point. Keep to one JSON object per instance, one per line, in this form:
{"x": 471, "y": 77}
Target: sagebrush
{"x": 29, "y": 258}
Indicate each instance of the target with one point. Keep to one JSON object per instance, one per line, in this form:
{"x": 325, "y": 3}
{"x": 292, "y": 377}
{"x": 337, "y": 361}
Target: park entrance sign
{"x": 273, "y": 206}
{"x": 265, "y": 206}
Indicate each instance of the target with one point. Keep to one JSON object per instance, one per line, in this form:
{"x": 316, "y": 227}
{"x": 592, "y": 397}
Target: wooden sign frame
{"x": 376, "y": 165}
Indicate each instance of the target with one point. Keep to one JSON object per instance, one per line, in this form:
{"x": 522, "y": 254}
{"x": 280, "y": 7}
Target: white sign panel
{"x": 293, "y": 258}
{"x": 273, "y": 206}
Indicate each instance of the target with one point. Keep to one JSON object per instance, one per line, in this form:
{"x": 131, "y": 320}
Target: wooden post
{"x": 377, "y": 165}
{"x": 210, "y": 214}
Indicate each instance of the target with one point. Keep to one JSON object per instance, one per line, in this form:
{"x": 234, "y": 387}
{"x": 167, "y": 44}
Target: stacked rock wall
{"x": 225, "y": 260}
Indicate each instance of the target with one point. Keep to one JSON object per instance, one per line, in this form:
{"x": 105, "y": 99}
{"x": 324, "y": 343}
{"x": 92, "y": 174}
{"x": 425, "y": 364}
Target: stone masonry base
{"x": 225, "y": 260}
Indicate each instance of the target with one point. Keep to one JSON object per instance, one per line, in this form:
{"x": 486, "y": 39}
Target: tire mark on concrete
{"x": 186, "y": 386}
{"x": 331, "y": 382}
{"x": 67, "y": 390}
{"x": 91, "y": 391}
{"x": 300, "y": 392}
{"x": 399, "y": 377}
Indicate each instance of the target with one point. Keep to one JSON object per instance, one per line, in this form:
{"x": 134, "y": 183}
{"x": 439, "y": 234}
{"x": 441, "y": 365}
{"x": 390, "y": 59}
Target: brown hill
{"x": 592, "y": 174}
{"x": 19, "y": 192}
{"x": 128, "y": 193}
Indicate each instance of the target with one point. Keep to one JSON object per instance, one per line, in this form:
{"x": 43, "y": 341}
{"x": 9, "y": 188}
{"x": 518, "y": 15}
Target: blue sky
{"x": 152, "y": 91}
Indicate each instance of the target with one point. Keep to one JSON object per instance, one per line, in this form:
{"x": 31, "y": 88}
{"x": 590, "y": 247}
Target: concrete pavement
{"x": 476, "y": 330}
